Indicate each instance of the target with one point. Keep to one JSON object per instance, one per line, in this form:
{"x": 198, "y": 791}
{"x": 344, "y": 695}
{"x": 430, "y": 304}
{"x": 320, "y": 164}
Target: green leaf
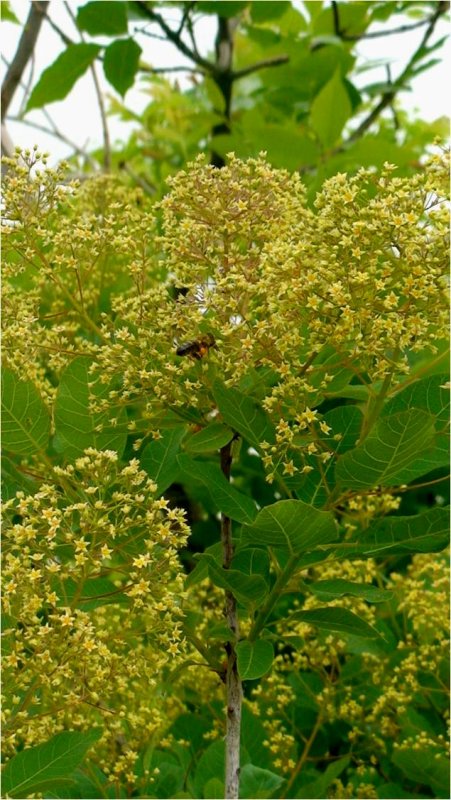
{"x": 209, "y": 439}
{"x": 214, "y": 788}
{"x": 14, "y": 479}
{"x": 423, "y": 767}
{"x": 159, "y": 458}
{"x": 243, "y": 415}
{"x": 121, "y": 62}
{"x": 38, "y": 767}
{"x": 200, "y": 571}
{"x": 256, "y": 782}
{"x": 210, "y": 765}
{"x": 95, "y": 592}
{"x": 25, "y": 419}
{"x": 253, "y": 735}
{"x": 429, "y": 395}
{"x": 347, "y": 421}
{"x": 103, "y": 18}
{"x": 7, "y": 14}
{"x": 262, "y": 12}
{"x": 254, "y": 659}
{"x": 229, "y": 500}
{"x": 77, "y": 426}
{"x": 57, "y": 80}
{"x": 319, "y": 787}
{"x": 221, "y": 7}
{"x": 292, "y": 525}
{"x": 330, "y": 110}
{"x": 392, "y": 453}
{"x": 423, "y": 533}
{"x": 328, "y": 590}
{"x": 248, "y": 589}
{"x": 337, "y": 620}
{"x": 252, "y": 561}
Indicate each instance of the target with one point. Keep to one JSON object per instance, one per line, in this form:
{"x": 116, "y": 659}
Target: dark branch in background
{"x": 221, "y": 70}
{"x": 275, "y": 61}
{"x": 388, "y": 98}
{"x": 24, "y": 50}
{"x": 63, "y": 36}
{"x": 185, "y": 17}
{"x": 346, "y": 37}
{"x": 52, "y": 130}
{"x": 173, "y": 36}
{"x": 223, "y": 77}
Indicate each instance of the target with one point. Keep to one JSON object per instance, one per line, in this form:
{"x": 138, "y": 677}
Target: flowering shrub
{"x": 150, "y": 350}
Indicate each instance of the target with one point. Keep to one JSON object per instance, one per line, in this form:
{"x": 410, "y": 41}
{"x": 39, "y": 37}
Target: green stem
{"x": 374, "y": 407}
{"x": 276, "y": 591}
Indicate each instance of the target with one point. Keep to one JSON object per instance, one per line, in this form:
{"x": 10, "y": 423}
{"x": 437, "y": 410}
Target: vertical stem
{"x": 234, "y": 691}
{"x": 223, "y": 78}
{"x": 374, "y": 407}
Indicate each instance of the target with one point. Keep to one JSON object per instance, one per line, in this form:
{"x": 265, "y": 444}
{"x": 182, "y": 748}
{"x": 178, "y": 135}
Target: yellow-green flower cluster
{"x": 92, "y": 592}
{"x": 296, "y": 298}
{"x": 377, "y": 700}
{"x": 291, "y": 295}
{"x": 67, "y": 248}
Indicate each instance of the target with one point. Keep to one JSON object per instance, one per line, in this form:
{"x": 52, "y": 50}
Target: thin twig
{"x": 105, "y": 131}
{"x": 372, "y": 34}
{"x": 173, "y": 36}
{"x": 63, "y": 36}
{"x": 188, "y": 8}
{"x": 22, "y": 55}
{"x": 304, "y": 755}
{"x": 162, "y": 70}
{"x": 27, "y": 86}
{"x": 58, "y": 135}
{"x": 388, "y": 98}
{"x": 264, "y": 64}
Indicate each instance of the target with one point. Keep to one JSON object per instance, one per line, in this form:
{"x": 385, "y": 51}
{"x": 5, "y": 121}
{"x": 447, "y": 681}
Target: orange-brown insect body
{"x": 197, "y": 348}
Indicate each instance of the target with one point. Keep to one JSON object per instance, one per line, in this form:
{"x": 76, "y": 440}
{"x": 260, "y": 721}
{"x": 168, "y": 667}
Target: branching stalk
{"x": 276, "y": 591}
{"x": 234, "y": 691}
{"x": 23, "y": 53}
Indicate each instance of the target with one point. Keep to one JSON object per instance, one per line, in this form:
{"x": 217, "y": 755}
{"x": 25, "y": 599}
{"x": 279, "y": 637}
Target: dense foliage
{"x": 323, "y": 333}
{"x": 225, "y": 409}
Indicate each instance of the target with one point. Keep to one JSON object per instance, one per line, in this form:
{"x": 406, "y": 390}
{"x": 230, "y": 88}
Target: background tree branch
{"x": 388, "y": 97}
{"x": 24, "y": 50}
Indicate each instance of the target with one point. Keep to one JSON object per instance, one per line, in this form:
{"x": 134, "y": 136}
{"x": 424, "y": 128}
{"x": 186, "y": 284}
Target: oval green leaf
{"x": 34, "y": 769}
{"x": 243, "y": 414}
{"x": 330, "y": 110}
{"x": 120, "y": 63}
{"x": 328, "y": 590}
{"x": 57, "y": 80}
{"x": 76, "y": 425}
{"x": 249, "y": 590}
{"x": 337, "y": 620}
{"x": 395, "y": 453}
{"x": 209, "y": 439}
{"x": 292, "y": 525}
{"x": 229, "y": 500}
{"x": 103, "y": 18}
{"x": 254, "y": 659}
{"x": 25, "y": 419}
{"x": 159, "y": 458}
